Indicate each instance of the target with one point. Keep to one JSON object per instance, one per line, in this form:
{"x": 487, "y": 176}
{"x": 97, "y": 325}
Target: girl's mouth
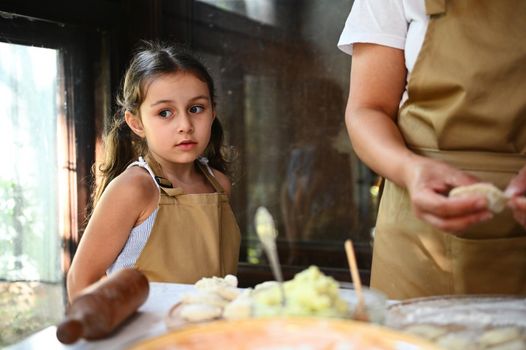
{"x": 186, "y": 145}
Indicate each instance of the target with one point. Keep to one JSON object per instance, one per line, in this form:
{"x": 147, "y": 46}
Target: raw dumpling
{"x": 224, "y": 287}
{"x": 499, "y": 335}
{"x": 200, "y": 312}
{"x": 496, "y": 198}
{"x": 427, "y": 331}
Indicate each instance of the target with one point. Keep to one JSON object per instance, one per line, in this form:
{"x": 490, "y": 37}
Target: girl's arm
{"x": 378, "y": 77}
{"x": 126, "y": 202}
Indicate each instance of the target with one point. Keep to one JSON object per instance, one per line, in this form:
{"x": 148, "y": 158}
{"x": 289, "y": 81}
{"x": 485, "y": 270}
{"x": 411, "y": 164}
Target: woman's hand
{"x": 378, "y": 78}
{"x": 429, "y": 182}
{"x": 517, "y": 190}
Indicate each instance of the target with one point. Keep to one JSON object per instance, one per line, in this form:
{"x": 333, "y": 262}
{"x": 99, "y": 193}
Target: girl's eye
{"x": 196, "y": 109}
{"x": 165, "y": 113}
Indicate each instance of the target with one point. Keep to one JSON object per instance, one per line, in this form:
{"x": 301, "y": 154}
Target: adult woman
{"x": 437, "y": 101}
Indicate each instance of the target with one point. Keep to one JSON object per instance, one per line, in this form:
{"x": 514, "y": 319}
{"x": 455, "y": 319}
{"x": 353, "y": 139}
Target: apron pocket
{"x": 488, "y": 266}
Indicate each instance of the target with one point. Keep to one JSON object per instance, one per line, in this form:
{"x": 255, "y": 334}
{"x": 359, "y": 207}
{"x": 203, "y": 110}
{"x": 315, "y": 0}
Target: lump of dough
{"x": 499, "y": 335}
{"x": 239, "y": 308}
{"x": 456, "y": 342}
{"x": 495, "y": 197}
{"x": 204, "y": 297}
{"x": 231, "y": 280}
{"x": 228, "y": 293}
{"x": 211, "y": 283}
{"x": 266, "y": 285}
{"x": 224, "y": 287}
{"x": 427, "y": 331}
{"x": 200, "y": 312}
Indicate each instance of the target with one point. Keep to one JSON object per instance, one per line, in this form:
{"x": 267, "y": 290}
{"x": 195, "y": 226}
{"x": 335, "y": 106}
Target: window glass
{"x": 282, "y": 89}
{"x": 259, "y": 10}
{"x": 31, "y": 278}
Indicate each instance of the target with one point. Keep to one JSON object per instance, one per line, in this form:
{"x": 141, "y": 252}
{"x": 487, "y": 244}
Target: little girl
{"x": 162, "y": 205}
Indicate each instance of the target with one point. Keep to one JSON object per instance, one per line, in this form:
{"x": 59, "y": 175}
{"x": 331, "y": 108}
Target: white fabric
{"x": 143, "y": 164}
{"x": 139, "y": 234}
{"x": 204, "y": 161}
{"x": 400, "y": 24}
{"x": 134, "y": 245}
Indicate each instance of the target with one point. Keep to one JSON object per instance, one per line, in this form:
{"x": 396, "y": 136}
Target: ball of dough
{"x": 495, "y": 197}
{"x": 204, "y": 297}
{"x": 200, "y": 312}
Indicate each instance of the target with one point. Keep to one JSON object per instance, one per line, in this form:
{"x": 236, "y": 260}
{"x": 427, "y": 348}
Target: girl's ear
{"x": 134, "y": 123}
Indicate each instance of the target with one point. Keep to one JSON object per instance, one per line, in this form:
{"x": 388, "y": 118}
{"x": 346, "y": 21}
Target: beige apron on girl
{"x": 194, "y": 235}
{"x": 467, "y": 107}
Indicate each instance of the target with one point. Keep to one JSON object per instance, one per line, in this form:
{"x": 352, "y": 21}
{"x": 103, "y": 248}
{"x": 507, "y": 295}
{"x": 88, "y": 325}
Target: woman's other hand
{"x": 429, "y": 182}
{"x": 516, "y": 190}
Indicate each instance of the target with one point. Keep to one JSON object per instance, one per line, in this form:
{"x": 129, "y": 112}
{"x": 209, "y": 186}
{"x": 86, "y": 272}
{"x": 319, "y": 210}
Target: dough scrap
{"x": 456, "y": 342}
{"x": 204, "y": 297}
{"x": 200, "y": 312}
{"x": 239, "y": 308}
{"x": 228, "y": 293}
{"x": 224, "y": 287}
{"x": 210, "y": 283}
{"x": 496, "y": 198}
{"x": 518, "y": 344}
{"x": 427, "y": 331}
{"x": 499, "y": 335}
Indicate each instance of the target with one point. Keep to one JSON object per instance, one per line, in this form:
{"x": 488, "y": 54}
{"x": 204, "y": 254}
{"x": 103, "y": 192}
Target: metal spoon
{"x": 267, "y": 233}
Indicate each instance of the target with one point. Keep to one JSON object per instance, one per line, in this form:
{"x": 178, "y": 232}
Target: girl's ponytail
{"x": 121, "y": 147}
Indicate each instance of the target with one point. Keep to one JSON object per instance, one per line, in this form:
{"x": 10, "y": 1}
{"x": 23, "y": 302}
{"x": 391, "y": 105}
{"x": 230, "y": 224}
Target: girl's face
{"x": 177, "y": 116}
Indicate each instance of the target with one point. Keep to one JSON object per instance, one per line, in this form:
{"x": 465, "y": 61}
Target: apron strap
{"x": 166, "y": 186}
{"x": 213, "y": 181}
{"x": 143, "y": 164}
{"x": 435, "y": 7}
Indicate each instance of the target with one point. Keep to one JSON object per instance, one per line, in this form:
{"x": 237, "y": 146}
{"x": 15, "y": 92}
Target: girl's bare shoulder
{"x": 223, "y": 180}
{"x": 136, "y": 184}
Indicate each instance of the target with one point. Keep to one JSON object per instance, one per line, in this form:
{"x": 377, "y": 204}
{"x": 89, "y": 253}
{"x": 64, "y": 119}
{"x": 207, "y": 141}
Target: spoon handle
{"x": 272, "y": 253}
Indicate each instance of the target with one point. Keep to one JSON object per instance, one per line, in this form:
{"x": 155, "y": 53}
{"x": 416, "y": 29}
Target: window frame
{"x": 80, "y": 57}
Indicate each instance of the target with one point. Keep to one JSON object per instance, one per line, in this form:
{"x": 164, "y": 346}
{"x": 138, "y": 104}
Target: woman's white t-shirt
{"x": 399, "y": 24}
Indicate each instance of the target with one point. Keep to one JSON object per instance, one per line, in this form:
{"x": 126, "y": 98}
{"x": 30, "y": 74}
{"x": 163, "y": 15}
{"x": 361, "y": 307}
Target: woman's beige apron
{"x": 467, "y": 107}
{"x": 194, "y": 235}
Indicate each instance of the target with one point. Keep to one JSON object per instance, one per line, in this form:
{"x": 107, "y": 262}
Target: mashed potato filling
{"x": 309, "y": 293}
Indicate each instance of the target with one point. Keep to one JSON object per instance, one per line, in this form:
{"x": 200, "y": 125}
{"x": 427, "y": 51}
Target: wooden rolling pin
{"x": 103, "y": 306}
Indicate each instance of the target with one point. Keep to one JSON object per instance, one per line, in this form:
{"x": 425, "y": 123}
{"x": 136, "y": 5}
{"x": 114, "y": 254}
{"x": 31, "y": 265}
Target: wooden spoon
{"x": 359, "y": 312}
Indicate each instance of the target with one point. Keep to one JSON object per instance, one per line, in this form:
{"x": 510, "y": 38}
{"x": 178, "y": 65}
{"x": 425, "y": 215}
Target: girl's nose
{"x": 185, "y": 124}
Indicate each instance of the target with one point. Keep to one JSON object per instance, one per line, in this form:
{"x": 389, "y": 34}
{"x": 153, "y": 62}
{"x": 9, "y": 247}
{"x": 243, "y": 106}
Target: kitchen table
{"x": 147, "y": 322}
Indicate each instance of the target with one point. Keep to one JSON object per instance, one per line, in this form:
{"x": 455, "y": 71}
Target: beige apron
{"x": 467, "y": 107}
{"x": 194, "y": 235}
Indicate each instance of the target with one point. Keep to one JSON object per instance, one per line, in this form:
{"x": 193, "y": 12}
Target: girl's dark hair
{"x": 122, "y": 145}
